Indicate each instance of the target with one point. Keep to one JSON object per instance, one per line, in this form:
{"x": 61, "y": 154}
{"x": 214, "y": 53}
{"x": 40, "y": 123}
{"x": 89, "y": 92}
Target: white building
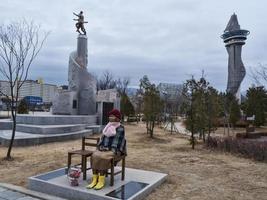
{"x": 32, "y": 88}
{"x": 4, "y": 88}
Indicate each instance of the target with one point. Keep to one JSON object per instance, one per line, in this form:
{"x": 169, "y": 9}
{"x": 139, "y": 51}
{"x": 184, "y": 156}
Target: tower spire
{"x": 233, "y": 24}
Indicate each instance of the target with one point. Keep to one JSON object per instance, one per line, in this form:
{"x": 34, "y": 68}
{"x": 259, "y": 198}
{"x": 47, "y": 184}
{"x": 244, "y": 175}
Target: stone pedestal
{"x": 80, "y": 99}
{"x": 136, "y": 186}
{"x": 65, "y": 103}
{"x": 81, "y": 58}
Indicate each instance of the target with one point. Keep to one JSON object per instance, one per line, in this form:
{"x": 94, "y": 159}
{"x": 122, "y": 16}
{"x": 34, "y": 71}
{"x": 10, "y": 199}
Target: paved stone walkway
{"x": 14, "y": 192}
{"x": 178, "y": 127}
{"x": 7, "y": 194}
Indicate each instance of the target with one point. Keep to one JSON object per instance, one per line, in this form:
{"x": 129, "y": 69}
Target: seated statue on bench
{"x": 112, "y": 145}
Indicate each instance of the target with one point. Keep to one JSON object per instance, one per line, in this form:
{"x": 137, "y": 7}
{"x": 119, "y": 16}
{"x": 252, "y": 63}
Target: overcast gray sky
{"x": 165, "y": 39}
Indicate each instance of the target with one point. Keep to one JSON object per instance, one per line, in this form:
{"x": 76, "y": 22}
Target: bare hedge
{"x": 251, "y": 148}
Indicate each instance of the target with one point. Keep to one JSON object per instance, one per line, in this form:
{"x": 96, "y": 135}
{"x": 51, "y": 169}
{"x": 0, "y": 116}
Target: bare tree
{"x": 19, "y": 45}
{"x": 122, "y": 85}
{"x": 259, "y": 75}
{"x": 106, "y": 81}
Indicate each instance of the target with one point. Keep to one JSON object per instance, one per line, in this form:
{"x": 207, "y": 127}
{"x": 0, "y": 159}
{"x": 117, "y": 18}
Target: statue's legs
{"x": 78, "y": 26}
{"x": 83, "y": 29}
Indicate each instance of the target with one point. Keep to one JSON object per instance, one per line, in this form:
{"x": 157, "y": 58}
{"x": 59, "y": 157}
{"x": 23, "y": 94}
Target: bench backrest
{"x": 89, "y": 142}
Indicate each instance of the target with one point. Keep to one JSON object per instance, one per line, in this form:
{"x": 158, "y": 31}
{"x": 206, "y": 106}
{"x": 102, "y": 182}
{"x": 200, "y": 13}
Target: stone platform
{"x": 34, "y": 129}
{"x": 28, "y": 139}
{"x": 50, "y": 129}
{"x": 56, "y": 119}
{"x": 137, "y": 185}
{"x": 14, "y": 192}
{"x": 5, "y": 124}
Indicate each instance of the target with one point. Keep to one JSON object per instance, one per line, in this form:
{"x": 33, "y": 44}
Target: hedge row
{"x": 255, "y": 149}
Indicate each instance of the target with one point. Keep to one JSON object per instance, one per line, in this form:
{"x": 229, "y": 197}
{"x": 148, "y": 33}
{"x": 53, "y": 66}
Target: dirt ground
{"x": 198, "y": 174}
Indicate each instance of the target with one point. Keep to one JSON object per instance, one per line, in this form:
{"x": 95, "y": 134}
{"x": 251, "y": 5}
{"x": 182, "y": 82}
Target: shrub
{"x": 23, "y": 107}
{"x": 255, "y": 149}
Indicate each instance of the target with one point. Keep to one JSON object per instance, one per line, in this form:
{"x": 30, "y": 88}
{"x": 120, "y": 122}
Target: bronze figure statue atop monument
{"x": 80, "y": 24}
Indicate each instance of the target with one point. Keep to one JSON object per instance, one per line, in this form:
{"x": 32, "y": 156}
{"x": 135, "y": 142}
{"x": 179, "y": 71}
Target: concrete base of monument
{"x": 27, "y": 139}
{"x": 137, "y": 185}
{"x": 39, "y": 128}
{"x": 39, "y": 119}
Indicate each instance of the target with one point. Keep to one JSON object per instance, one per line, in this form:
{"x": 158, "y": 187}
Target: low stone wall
{"x": 6, "y": 124}
{"x": 29, "y": 141}
{"x": 57, "y": 119}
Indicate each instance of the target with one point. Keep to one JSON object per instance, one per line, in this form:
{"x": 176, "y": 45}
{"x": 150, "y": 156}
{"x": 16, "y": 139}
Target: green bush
{"x": 23, "y": 107}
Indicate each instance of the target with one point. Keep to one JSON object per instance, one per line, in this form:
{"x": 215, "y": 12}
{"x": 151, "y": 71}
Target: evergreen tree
{"x": 126, "y": 106}
{"x": 23, "y": 107}
{"x": 235, "y": 113}
{"x": 152, "y": 104}
{"x": 189, "y": 108}
{"x": 256, "y": 104}
{"x": 229, "y": 109}
{"x": 202, "y": 107}
{"x": 213, "y": 108}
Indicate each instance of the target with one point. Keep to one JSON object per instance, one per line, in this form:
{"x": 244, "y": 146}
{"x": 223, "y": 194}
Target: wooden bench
{"x": 84, "y": 153}
{"x": 112, "y": 173}
{"x": 113, "y": 163}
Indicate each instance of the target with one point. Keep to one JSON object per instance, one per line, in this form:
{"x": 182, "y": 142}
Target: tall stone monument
{"x": 80, "y": 99}
{"x": 234, "y": 38}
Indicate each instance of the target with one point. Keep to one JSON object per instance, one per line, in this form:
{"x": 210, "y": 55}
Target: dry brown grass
{"x": 193, "y": 174}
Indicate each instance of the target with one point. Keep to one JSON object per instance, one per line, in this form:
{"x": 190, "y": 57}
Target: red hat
{"x": 116, "y": 113}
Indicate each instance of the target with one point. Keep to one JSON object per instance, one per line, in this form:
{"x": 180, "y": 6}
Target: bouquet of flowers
{"x": 73, "y": 176}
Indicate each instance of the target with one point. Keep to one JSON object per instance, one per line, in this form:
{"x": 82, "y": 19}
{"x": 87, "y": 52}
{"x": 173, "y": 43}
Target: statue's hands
{"x": 114, "y": 150}
{"x": 105, "y": 149}
{"x": 101, "y": 148}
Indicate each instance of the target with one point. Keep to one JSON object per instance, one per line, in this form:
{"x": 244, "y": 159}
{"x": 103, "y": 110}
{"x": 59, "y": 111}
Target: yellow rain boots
{"x": 101, "y": 183}
{"x": 94, "y": 182}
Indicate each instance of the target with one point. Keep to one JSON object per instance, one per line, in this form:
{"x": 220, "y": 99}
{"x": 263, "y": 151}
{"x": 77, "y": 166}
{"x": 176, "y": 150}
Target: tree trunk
{"x": 193, "y": 140}
{"x": 152, "y": 129}
{"x": 228, "y": 129}
{"x": 147, "y": 127}
{"x": 8, "y": 155}
{"x": 171, "y": 125}
{"x": 209, "y": 127}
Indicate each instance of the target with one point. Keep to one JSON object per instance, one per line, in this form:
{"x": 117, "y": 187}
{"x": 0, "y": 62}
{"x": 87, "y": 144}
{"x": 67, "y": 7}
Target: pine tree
{"x": 152, "y": 104}
{"x": 201, "y": 107}
{"x": 189, "y": 107}
{"x": 127, "y": 107}
{"x": 213, "y": 108}
{"x": 256, "y": 104}
{"x": 23, "y": 107}
{"x": 235, "y": 113}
